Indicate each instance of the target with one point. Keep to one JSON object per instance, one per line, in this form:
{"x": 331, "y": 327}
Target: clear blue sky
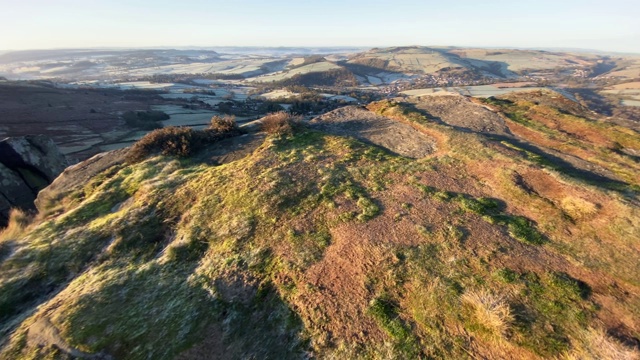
{"x": 42, "y": 24}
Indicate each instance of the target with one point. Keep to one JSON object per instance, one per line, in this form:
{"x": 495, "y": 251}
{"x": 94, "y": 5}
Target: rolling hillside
{"x": 425, "y": 227}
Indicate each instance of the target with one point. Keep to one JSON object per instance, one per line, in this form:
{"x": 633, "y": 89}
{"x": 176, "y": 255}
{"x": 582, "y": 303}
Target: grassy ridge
{"x": 325, "y": 245}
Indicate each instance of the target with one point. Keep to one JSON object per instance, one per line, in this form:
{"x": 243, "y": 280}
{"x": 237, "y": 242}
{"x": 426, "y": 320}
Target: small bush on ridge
{"x": 223, "y": 124}
{"x": 175, "y": 141}
{"x": 280, "y": 123}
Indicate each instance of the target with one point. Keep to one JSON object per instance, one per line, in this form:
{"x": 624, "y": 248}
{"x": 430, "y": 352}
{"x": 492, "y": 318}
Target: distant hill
{"x": 63, "y": 54}
{"x": 375, "y": 67}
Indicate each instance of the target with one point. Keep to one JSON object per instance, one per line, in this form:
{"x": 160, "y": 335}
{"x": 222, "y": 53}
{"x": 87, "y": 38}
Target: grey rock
{"x": 461, "y": 113}
{"x": 37, "y": 153}
{"x": 14, "y": 190}
{"x": 27, "y": 165}
{"x": 76, "y": 176}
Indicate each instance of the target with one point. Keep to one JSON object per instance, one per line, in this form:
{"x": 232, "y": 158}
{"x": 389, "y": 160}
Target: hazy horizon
{"x": 320, "y": 47}
{"x": 74, "y": 24}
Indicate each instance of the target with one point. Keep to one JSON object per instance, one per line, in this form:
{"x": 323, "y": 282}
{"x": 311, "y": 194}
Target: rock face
{"x": 27, "y": 165}
{"x": 78, "y": 175}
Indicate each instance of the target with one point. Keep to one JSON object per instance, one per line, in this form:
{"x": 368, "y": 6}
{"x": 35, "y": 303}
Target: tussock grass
{"x": 578, "y": 208}
{"x": 595, "y": 344}
{"x": 491, "y": 312}
{"x": 19, "y": 220}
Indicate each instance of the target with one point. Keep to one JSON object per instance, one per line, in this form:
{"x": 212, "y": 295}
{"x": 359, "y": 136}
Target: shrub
{"x": 175, "y": 141}
{"x": 223, "y": 124}
{"x": 280, "y": 123}
{"x": 178, "y": 141}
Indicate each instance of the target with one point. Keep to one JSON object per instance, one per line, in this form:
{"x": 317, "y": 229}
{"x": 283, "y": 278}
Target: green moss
{"x": 554, "y": 306}
{"x": 384, "y": 311}
{"x": 369, "y": 209}
{"x": 481, "y": 206}
{"x": 507, "y": 275}
{"x": 521, "y": 228}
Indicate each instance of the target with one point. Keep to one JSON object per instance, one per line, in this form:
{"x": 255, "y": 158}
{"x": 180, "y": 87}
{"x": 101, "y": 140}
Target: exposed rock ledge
{"x": 27, "y": 165}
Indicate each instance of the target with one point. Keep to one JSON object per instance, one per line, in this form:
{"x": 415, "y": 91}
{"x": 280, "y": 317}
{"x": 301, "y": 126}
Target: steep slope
{"x": 321, "y": 245}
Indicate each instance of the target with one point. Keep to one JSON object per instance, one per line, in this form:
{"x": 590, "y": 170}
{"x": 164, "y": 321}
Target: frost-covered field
{"x": 246, "y": 67}
{"x": 315, "y": 67}
{"x": 631, "y": 102}
{"x": 634, "y": 85}
{"x": 277, "y": 94}
{"x": 339, "y": 97}
{"x": 145, "y": 85}
{"x": 628, "y": 93}
{"x": 98, "y": 69}
{"x": 631, "y": 70}
{"x": 411, "y": 61}
{"x": 517, "y": 60}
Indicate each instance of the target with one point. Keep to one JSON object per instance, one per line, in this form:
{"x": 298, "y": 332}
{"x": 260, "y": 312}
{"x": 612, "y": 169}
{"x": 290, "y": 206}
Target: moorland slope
{"x": 514, "y": 236}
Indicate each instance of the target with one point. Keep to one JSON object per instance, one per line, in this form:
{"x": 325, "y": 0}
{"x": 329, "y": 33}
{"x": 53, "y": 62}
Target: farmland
{"x": 86, "y": 92}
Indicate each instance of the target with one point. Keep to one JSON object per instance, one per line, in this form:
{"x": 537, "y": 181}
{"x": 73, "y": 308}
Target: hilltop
{"x": 440, "y": 226}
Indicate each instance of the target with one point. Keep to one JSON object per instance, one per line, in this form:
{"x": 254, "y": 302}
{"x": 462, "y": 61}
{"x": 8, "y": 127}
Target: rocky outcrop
{"x": 27, "y": 165}
{"x": 367, "y": 126}
{"x": 78, "y": 175}
{"x": 462, "y": 113}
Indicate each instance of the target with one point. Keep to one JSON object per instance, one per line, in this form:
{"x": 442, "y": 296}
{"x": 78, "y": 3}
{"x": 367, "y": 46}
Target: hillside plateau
{"x": 440, "y": 226}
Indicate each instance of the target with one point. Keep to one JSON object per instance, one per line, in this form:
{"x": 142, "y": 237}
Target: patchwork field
{"x": 627, "y": 93}
{"x": 628, "y": 68}
{"x": 518, "y": 60}
{"x": 77, "y": 120}
{"x": 315, "y": 67}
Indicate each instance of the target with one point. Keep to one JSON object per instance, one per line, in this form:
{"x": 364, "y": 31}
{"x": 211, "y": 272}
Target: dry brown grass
{"x": 626, "y": 86}
{"x": 578, "y": 208}
{"x": 596, "y": 344}
{"x": 492, "y": 312}
{"x": 18, "y": 222}
{"x": 279, "y": 123}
